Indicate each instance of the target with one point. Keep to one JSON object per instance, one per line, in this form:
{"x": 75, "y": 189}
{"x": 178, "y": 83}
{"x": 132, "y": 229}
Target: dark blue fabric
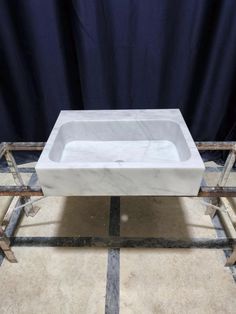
{"x": 117, "y": 54}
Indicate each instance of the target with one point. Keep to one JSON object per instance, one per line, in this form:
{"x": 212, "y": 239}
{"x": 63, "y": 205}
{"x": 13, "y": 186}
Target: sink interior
{"x": 120, "y": 141}
{"x": 119, "y": 151}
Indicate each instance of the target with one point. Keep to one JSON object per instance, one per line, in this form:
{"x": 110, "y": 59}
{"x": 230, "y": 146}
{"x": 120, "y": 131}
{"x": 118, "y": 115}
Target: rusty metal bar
{"x": 212, "y": 191}
{"x": 216, "y": 145}
{"x": 13, "y": 190}
{"x": 33, "y": 146}
{"x": 205, "y": 191}
{"x": 40, "y": 145}
{"x": 200, "y": 145}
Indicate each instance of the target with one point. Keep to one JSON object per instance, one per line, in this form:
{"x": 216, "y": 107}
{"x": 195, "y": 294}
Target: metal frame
{"x": 216, "y": 197}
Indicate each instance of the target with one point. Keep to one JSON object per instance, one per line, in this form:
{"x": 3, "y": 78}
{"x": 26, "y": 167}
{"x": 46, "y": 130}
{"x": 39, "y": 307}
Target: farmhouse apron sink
{"x": 120, "y": 152}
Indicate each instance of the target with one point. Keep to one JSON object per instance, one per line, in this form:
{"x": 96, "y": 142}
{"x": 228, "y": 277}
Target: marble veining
{"x": 120, "y": 152}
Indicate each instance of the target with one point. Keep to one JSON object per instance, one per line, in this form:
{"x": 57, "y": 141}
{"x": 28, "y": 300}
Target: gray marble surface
{"x": 120, "y": 152}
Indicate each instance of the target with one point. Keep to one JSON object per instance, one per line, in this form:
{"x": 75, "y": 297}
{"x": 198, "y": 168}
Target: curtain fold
{"x": 109, "y": 54}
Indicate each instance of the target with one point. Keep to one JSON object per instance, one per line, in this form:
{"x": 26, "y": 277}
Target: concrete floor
{"x": 73, "y": 280}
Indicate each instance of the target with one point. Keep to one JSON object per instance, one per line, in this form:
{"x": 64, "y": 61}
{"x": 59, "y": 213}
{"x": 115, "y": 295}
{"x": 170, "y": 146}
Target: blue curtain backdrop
{"x": 117, "y": 54}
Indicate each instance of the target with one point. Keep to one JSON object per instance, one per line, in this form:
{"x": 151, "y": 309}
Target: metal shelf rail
{"x": 215, "y": 196}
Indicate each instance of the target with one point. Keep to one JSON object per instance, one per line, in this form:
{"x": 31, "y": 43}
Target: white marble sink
{"x": 120, "y": 152}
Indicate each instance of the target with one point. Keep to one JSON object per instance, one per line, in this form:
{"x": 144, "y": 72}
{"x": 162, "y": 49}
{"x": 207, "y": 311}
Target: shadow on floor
{"x": 140, "y": 217}
{"x": 153, "y": 217}
{"x": 84, "y": 216}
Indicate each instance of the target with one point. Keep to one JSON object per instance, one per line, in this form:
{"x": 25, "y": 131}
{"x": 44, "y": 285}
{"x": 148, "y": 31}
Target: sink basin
{"x": 120, "y": 152}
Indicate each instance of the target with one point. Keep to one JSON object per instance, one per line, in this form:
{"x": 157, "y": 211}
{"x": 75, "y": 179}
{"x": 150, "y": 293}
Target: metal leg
{"x": 2, "y": 149}
{"x": 229, "y": 228}
{"x": 9, "y": 212}
{"x": 5, "y": 247}
{"x": 28, "y": 209}
{"x": 221, "y": 206}
{"x": 232, "y": 259}
{"x": 225, "y": 217}
{"x": 223, "y": 179}
{"x": 211, "y": 203}
{"x": 10, "y": 222}
{"x": 227, "y": 168}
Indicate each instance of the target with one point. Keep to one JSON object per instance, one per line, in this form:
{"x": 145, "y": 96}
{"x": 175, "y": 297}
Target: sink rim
{"x": 173, "y": 115}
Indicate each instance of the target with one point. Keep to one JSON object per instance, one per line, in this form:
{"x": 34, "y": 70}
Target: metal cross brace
{"x": 28, "y": 209}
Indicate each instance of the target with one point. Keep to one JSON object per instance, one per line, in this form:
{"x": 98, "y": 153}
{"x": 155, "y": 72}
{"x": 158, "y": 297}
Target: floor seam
{"x": 112, "y": 305}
